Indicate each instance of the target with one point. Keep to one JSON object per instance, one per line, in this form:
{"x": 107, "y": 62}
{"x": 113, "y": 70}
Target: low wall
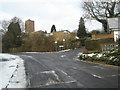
{"x": 101, "y": 36}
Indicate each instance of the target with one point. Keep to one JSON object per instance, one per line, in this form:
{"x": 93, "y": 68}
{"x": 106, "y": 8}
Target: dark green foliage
{"x": 81, "y": 33}
{"x": 45, "y": 32}
{"x": 53, "y": 29}
{"x": 89, "y": 34}
{"x": 12, "y": 38}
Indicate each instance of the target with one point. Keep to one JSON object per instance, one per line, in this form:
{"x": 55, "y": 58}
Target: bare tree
{"x": 21, "y": 23}
{"x": 101, "y": 10}
{"x": 4, "y": 25}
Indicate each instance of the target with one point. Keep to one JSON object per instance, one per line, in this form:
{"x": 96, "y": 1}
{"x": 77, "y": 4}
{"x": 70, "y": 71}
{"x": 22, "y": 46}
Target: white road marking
{"x": 113, "y": 75}
{"x": 105, "y": 76}
{"x": 64, "y": 72}
{"x": 96, "y": 76}
{"x": 52, "y": 72}
{"x": 48, "y": 71}
{"x": 70, "y": 81}
{"x": 52, "y": 82}
{"x": 74, "y": 68}
{"x": 116, "y": 75}
{"x": 63, "y": 56}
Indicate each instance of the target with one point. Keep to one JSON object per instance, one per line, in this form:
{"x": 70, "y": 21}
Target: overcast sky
{"x": 65, "y": 14}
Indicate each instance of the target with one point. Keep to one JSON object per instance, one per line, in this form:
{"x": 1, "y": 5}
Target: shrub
{"x": 81, "y": 57}
{"x": 95, "y": 45}
{"x": 105, "y": 57}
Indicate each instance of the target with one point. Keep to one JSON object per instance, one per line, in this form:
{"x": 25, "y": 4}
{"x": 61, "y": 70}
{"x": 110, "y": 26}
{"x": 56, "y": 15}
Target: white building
{"x": 114, "y": 25}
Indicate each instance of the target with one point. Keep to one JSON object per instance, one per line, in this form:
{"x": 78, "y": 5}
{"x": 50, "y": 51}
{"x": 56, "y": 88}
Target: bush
{"x": 81, "y": 57}
{"x": 95, "y": 45}
{"x": 105, "y": 58}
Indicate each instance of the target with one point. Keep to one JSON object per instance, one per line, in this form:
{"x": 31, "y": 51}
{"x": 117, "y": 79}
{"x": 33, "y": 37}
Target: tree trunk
{"x": 104, "y": 24}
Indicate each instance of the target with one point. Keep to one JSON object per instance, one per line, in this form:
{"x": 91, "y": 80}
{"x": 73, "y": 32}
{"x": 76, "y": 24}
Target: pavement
{"x": 64, "y": 70}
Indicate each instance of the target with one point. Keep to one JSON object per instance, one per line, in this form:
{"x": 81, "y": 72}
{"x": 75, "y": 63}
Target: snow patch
{"x": 19, "y": 78}
{"x": 99, "y": 55}
{"x": 90, "y": 55}
{"x": 7, "y": 57}
{"x": 12, "y": 70}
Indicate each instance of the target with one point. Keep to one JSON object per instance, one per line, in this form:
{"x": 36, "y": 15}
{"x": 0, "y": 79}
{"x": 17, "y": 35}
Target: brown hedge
{"x": 96, "y": 44}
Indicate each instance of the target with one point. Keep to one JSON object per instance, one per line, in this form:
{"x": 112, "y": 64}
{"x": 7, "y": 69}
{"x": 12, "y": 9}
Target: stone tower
{"x": 29, "y": 26}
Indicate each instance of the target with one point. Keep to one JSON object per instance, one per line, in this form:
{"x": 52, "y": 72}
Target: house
{"x": 114, "y": 30}
{"x": 105, "y": 41}
{"x": 114, "y": 26}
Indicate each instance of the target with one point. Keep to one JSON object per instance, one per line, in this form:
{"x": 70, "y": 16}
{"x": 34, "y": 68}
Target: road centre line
{"x": 96, "y": 76}
{"x": 113, "y": 75}
{"x": 105, "y": 76}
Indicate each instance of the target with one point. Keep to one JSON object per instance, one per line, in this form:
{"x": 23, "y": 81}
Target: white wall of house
{"x": 114, "y": 23}
{"x": 116, "y": 35}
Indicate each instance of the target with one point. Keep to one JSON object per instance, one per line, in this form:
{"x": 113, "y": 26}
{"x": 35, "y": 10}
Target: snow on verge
{"x": 90, "y": 55}
{"x": 12, "y": 72}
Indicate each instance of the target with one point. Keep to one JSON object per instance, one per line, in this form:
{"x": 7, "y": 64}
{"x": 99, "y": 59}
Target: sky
{"x": 64, "y": 14}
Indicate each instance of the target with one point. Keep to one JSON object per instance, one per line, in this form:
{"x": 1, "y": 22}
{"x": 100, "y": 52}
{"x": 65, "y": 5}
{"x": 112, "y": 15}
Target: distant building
{"x": 75, "y": 31}
{"x": 29, "y": 26}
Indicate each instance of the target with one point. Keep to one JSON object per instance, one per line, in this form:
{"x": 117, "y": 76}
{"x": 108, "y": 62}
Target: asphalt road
{"x": 64, "y": 70}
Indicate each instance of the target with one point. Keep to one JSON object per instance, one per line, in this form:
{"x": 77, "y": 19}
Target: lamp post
{"x": 64, "y": 43}
{"x": 56, "y": 44}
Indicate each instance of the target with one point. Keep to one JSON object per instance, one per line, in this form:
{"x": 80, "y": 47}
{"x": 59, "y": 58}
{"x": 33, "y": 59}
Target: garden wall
{"x": 101, "y": 36}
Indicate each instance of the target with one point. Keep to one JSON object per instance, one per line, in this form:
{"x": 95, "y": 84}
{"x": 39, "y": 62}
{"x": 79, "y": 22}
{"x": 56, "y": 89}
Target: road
{"x": 64, "y": 70}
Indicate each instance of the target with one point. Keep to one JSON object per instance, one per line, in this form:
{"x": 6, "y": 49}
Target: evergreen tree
{"x": 45, "y": 32}
{"x": 81, "y": 33}
{"x": 53, "y": 29}
{"x": 12, "y": 38}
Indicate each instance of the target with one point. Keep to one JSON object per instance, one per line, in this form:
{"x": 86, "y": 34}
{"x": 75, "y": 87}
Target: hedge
{"x": 96, "y": 44}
